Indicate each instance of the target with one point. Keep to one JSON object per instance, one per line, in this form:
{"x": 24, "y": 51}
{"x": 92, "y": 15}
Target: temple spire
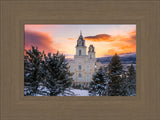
{"x": 80, "y": 32}
{"x": 80, "y": 41}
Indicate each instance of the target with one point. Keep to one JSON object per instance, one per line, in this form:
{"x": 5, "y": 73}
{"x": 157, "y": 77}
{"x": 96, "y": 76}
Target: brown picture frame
{"x": 144, "y": 13}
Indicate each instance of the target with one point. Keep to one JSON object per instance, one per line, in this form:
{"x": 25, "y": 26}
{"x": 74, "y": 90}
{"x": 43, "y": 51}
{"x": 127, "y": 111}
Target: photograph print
{"x": 80, "y": 60}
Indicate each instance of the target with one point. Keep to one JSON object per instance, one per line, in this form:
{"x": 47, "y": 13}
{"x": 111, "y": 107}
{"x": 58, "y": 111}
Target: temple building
{"x": 84, "y": 65}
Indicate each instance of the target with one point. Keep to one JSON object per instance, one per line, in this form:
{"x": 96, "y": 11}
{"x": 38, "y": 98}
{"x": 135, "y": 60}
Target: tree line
{"x": 52, "y": 73}
{"x": 114, "y": 83}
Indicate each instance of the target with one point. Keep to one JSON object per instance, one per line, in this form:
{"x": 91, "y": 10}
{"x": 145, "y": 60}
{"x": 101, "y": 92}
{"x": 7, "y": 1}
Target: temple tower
{"x": 80, "y": 47}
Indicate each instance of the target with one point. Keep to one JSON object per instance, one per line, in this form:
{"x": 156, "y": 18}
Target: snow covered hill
{"x": 125, "y": 59}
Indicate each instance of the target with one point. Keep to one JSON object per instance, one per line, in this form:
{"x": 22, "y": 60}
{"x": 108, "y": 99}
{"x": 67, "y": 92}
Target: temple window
{"x": 90, "y": 56}
{"x": 79, "y": 77}
{"x": 87, "y": 78}
{"x": 79, "y": 67}
{"x": 87, "y": 68}
{"x": 79, "y": 52}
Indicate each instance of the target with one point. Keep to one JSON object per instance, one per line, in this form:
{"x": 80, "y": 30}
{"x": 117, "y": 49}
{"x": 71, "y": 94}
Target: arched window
{"x": 71, "y": 69}
{"x": 79, "y": 67}
{"x": 87, "y": 78}
{"x": 79, "y": 52}
{"x": 79, "y": 77}
{"x": 87, "y": 68}
{"x": 90, "y": 56}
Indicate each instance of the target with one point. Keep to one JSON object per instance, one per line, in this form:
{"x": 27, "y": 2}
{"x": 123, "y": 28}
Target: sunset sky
{"x": 107, "y": 39}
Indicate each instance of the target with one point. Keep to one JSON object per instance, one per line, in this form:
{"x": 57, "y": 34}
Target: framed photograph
{"x": 101, "y": 63}
{"x": 82, "y": 60}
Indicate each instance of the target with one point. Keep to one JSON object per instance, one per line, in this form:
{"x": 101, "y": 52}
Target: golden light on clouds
{"x": 109, "y": 45}
{"x": 39, "y": 39}
{"x": 100, "y": 38}
{"x": 63, "y": 39}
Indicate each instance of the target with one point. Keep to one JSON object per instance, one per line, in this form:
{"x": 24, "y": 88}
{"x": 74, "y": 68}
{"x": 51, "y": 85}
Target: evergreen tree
{"x": 99, "y": 84}
{"x": 32, "y": 70}
{"x": 131, "y": 81}
{"x": 27, "y": 82}
{"x": 116, "y": 82}
{"x": 58, "y": 76}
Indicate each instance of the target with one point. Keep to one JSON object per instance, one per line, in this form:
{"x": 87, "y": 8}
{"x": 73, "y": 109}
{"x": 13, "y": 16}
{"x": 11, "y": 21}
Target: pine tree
{"x": 27, "y": 76}
{"x": 131, "y": 81}
{"x": 58, "y": 76}
{"x": 116, "y": 82}
{"x": 99, "y": 84}
{"x": 32, "y": 70}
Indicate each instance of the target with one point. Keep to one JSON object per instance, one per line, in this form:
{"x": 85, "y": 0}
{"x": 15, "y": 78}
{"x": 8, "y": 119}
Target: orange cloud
{"x": 132, "y": 33}
{"x": 111, "y": 52}
{"x": 130, "y": 37}
{"x": 121, "y": 48}
{"x": 123, "y": 44}
{"x": 100, "y": 38}
{"x": 109, "y": 45}
{"x": 39, "y": 39}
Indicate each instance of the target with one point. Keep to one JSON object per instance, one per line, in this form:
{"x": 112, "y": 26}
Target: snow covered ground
{"x": 75, "y": 92}
{"x": 43, "y": 91}
{"x": 79, "y": 92}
